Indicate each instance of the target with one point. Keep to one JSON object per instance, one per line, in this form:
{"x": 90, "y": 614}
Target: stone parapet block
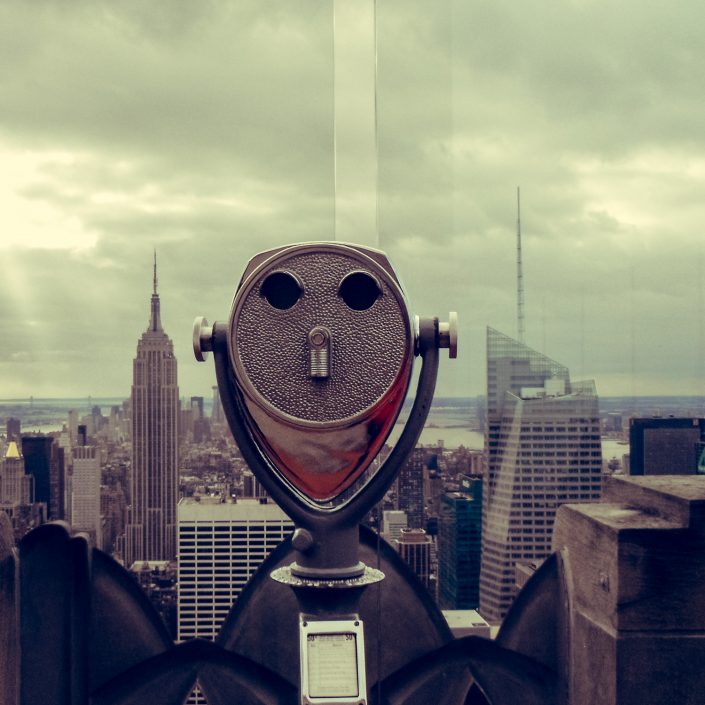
{"x": 639, "y": 564}
{"x": 635, "y": 574}
{"x": 679, "y": 498}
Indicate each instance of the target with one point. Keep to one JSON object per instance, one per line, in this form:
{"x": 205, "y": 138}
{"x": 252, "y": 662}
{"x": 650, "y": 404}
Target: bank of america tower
{"x": 543, "y": 450}
{"x": 150, "y": 534}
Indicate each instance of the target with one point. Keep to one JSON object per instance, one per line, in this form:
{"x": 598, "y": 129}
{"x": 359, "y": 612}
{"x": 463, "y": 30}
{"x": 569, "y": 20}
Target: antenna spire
{"x": 520, "y": 274}
{"x": 155, "y": 323}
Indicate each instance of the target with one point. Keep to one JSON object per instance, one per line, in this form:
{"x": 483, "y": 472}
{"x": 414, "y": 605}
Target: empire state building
{"x": 151, "y": 523}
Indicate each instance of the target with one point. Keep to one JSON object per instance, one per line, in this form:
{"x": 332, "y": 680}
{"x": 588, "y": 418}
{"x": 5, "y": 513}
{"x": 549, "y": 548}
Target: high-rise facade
{"x": 251, "y": 486}
{"x": 37, "y": 453}
{"x": 73, "y": 425}
{"x": 410, "y": 486}
{"x": 85, "y": 492}
{"x": 666, "y": 446}
{"x": 150, "y": 533}
{"x": 543, "y": 450}
{"x": 57, "y": 482}
{"x": 15, "y": 486}
{"x": 14, "y": 430}
{"x": 217, "y": 415}
{"x": 414, "y": 547}
{"x": 200, "y": 426}
{"x": 393, "y": 521}
{"x": 16, "y": 492}
{"x": 460, "y": 546}
{"x": 220, "y": 547}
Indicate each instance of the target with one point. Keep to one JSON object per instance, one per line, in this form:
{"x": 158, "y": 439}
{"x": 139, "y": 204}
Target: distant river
{"x": 454, "y": 437}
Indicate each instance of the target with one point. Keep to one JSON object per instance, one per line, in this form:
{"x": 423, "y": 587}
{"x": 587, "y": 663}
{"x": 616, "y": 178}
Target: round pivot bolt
{"x": 448, "y": 335}
{"x": 202, "y": 339}
{"x": 302, "y": 540}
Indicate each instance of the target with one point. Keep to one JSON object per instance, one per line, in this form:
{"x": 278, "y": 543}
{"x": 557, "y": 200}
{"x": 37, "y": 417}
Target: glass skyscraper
{"x": 459, "y": 546}
{"x": 410, "y": 488}
{"x": 543, "y": 447}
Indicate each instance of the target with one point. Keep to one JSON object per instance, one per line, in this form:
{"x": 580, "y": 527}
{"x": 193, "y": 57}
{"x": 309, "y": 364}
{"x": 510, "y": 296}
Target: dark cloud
{"x": 205, "y": 130}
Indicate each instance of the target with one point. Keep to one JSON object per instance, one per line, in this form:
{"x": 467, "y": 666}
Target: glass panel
{"x": 355, "y": 122}
{"x": 415, "y": 117}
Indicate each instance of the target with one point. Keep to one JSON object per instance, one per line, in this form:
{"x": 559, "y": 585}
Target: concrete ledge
{"x": 639, "y": 564}
{"x": 636, "y": 584}
{"x": 679, "y": 498}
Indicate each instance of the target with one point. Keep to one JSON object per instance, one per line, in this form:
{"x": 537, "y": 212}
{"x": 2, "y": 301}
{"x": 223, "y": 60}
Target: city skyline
{"x": 221, "y": 145}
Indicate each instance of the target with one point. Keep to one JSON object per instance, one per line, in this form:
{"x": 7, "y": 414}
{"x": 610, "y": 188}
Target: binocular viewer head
{"x": 320, "y": 336}
{"x": 320, "y": 347}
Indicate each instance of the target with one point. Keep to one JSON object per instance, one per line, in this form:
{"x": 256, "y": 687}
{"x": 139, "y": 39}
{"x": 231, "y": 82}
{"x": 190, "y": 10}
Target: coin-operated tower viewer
{"x": 313, "y": 367}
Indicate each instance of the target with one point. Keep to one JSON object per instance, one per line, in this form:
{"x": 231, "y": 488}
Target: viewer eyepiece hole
{"x": 359, "y": 290}
{"x": 282, "y": 290}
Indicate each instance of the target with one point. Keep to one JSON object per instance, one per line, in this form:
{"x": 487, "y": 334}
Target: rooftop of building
{"x": 413, "y": 536}
{"x": 457, "y": 494}
{"x": 464, "y": 618}
{"x": 13, "y": 452}
{"x": 193, "y": 509}
{"x": 140, "y": 565}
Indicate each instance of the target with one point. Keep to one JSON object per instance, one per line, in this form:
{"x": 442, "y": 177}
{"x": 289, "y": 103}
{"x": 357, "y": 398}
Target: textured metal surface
{"x": 286, "y": 576}
{"x": 369, "y": 349}
{"x": 304, "y": 504}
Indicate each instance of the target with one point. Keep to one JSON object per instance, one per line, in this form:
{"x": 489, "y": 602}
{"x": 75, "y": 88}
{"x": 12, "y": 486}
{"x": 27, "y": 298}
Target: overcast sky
{"x": 206, "y": 130}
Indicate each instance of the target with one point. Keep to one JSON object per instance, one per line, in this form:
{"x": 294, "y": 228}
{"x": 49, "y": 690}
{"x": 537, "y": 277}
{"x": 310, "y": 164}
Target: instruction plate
{"x": 332, "y": 662}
